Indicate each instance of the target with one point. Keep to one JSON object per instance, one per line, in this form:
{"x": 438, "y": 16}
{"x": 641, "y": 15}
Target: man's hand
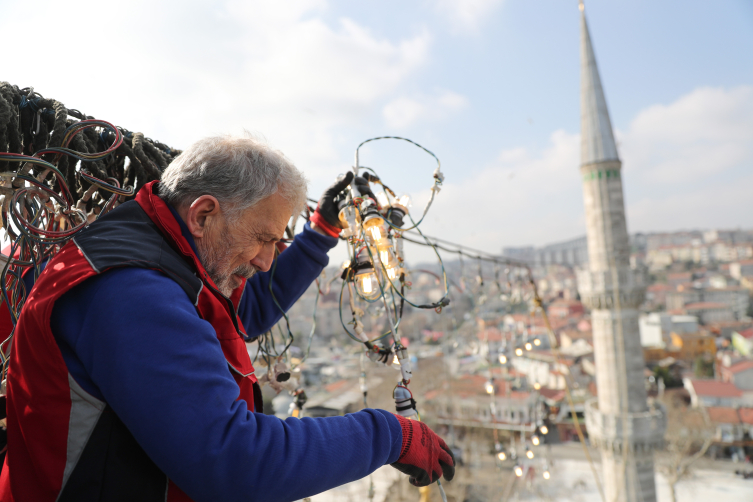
{"x": 425, "y": 456}
{"x": 326, "y": 217}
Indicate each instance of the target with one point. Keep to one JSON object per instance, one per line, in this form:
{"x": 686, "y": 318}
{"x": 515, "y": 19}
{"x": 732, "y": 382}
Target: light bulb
{"x": 529, "y": 454}
{"x": 375, "y": 231}
{"x": 502, "y": 359}
{"x": 387, "y": 256}
{"x": 544, "y": 430}
{"x": 518, "y": 471}
{"x": 489, "y": 388}
{"x": 404, "y": 200}
{"x": 547, "y": 475}
{"x": 518, "y": 351}
{"x": 501, "y": 455}
{"x": 536, "y": 342}
{"x": 535, "y": 440}
{"x": 392, "y": 273}
{"x": 382, "y": 199}
{"x": 367, "y": 284}
{"x": 529, "y": 346}
{"x": 537, "y": 385}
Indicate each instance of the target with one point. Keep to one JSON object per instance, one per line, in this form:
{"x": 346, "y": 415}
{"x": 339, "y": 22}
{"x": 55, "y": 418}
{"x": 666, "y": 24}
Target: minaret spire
{"x": 597, "y": 140}
{"x": 619, "y": 422}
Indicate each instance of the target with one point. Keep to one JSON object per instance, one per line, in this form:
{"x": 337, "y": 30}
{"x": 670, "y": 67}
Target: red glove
{"x": 425, "y": 456}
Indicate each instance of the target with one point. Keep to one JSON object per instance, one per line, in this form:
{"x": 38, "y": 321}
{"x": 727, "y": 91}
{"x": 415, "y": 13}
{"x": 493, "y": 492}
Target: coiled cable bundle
{"x": 60, "y": 169}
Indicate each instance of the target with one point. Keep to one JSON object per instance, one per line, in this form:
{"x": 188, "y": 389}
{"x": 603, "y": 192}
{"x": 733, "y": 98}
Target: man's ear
{"x": 197, "y": 215}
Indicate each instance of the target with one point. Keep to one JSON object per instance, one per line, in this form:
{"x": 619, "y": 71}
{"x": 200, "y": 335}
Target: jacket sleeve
{"x": 133, "y": 337}
{"x": 296, "y": 268}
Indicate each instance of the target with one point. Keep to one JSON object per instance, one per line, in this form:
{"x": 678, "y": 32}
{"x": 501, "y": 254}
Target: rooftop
{"x": 706, "y": 306}
{"x": 746, "y": 415}
{"x": 723, "y": 415}
{"x": 715, "y": 388}
{"x": 746, "y": 333}
{"x": 740, "y": 366}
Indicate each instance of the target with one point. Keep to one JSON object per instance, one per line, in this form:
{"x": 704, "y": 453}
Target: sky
{"x": 490, "y": 86}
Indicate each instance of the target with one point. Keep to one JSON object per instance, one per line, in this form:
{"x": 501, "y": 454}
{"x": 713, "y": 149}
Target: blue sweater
{"x": 131, "y": 337}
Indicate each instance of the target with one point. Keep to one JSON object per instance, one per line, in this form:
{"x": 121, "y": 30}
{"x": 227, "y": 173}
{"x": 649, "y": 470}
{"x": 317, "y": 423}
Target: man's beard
{"x": 216, "y": 254}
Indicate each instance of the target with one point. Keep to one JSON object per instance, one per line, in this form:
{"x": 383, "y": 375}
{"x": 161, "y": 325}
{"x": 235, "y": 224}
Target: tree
{"x": 689, "y": 435}
{"x": 703, "y": 367}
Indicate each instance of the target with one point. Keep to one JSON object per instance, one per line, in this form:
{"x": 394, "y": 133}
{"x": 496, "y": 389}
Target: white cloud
{"x": 185, "y": 69}
{"x": 465, "y": 15}
{"x": 523, "y": 197}
{"x": 403, "y": 112}
{"x": 688, "y": 164}
{"x": 703, "y": 133}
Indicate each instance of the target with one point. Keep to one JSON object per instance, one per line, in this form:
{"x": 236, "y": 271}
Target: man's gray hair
{"x": 238, "y": 171}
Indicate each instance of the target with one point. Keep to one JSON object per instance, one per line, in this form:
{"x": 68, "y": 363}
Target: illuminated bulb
{"x": 502, "y": 359}
{"x": 391, "y": 273}
{"x": 546, "y": 475}
{"x": 518, "y": 471}
{"x": 489, "y": 388}
{"x": 404, "y": 201}
{"x": 396, "y": 361}
{"x": 367, "y": 284}
{"x": 544, "y": 430}
{"x": 535, "y": 440}
{"x": 529, "y": 454}
{"x": 501, "y": 455}
{"x": 529, "y": 346}
{"x": 376, "y": 232}
{"x": 382, "y": 199}
{"x": 537, "y": 386}
{"x": 518, "y": 351}
{"x": 536, "y": 342}
{"x": 346, "y": 264}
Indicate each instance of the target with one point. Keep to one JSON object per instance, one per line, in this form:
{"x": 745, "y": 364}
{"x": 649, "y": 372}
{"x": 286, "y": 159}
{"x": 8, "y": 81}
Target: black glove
{"x": 425, "y": 456}
{"x": 327, "y": 208}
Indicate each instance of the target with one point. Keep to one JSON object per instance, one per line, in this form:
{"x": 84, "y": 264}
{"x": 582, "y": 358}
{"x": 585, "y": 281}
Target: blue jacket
{"x": 131, "y": 337}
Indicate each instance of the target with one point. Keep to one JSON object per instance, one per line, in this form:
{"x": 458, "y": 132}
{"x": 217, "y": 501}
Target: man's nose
{"x": 263, "y": 260}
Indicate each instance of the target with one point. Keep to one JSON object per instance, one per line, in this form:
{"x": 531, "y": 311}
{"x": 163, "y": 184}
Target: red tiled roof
{"x": 675, "y": 275}
{"x": 491, "y": 333}
{"x": 336, "y": 386}
{"x": 659, "y": 287}
{"x": 705, "y": 306}
{"x": 740, "y": 366}
{"x": 723, "y": 415}
{"x": 552, "y": 394}
{"x": 746, "y": 415}
{"x": 715, "y": 388}
{"x": 432, "y": 394}
{"x": 746, "y": 333}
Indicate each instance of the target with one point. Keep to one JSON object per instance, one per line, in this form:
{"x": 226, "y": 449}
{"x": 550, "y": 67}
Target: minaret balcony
{"x": 610, "y": 289}
{"x": 638, "y": 431}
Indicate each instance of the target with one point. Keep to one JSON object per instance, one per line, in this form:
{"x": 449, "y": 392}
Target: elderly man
{"x": 130, "y": 379}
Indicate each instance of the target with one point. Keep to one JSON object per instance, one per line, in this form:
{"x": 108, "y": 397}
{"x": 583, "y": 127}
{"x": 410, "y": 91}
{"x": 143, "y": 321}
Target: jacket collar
{"x": 160, "y": 213}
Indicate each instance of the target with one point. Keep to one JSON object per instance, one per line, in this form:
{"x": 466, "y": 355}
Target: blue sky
{"x": 491, "y": 86}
